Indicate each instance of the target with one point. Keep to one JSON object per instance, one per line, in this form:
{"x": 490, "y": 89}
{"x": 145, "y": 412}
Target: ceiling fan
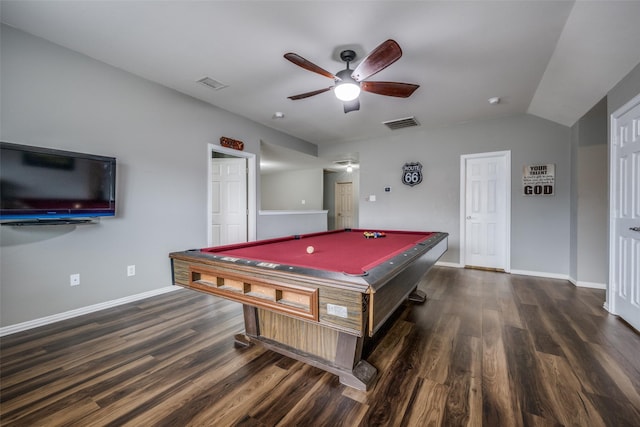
{"x": 349, "y": 83}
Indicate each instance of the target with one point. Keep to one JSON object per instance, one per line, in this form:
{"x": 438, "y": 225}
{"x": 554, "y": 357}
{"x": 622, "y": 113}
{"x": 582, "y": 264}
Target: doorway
{"x": 485, "y": 210}
{"x": 217, "y": 218}
{"x": 623, "y": 294}
{"x": 344, "y": 205}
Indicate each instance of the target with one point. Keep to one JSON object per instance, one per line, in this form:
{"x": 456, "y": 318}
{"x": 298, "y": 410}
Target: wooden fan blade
{"x": 379, "y": 59}
{"x": 351, "y": 105}
{"x": 308, "y": 94}
{"x": 308, "y": 65}
{"x": 400, "y": 90}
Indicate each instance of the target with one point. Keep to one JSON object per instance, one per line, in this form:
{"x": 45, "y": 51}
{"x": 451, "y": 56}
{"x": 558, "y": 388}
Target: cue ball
{"x": 310, "y": 249}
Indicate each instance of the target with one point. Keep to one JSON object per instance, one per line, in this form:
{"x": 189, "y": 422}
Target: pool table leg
{"x": 417, "y": 296}
{"x": 251, "y": 324}
{"x": 251, "y": 327}
{"x": 241, "y": 341}
{"x": 356, "y": 372}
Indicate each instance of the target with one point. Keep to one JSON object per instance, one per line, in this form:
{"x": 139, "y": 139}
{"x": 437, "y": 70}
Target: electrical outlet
{"x": 74, "y": 279}
{"x": 131, "y": 270}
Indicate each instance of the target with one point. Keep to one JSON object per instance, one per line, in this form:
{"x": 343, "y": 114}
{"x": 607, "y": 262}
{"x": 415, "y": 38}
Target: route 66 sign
{"x": 412, "y": 173}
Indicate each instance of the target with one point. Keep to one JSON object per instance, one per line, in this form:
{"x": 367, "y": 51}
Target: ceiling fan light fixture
{"x": 347, "y": 91}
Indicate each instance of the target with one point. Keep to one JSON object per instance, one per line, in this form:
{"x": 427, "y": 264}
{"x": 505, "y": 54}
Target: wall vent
{"x": 213, "y": 84}
{"x": 407, "y": 122}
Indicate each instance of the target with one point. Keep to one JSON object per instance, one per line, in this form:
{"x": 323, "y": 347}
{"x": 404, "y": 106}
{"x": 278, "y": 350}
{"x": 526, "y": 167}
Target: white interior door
{"x": 485, "y": 210}
{"x": 344, "y": 205}
{"x": 228, "y": 201}
{"x": 624, "y": 243}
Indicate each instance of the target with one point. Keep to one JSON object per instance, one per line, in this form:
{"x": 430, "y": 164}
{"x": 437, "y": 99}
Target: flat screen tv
{"x": 43, "y": 184}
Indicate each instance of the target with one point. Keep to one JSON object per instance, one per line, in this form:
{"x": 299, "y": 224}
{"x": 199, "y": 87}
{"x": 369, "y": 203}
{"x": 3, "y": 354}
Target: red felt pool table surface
{"x": 346, "y": 251}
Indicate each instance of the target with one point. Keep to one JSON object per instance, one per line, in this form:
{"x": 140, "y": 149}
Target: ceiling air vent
{"x": 213, "y": 84}
{"x": 407, "y": 122}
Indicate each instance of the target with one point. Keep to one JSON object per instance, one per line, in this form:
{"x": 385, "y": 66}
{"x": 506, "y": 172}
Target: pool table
{"x": 319, "y": 298}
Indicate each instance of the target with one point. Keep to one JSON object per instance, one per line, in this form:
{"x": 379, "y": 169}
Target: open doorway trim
{"x": 251, "y": 189}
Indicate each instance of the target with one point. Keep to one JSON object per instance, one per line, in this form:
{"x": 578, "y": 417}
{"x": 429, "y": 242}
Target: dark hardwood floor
{"x": 485, "y": 349}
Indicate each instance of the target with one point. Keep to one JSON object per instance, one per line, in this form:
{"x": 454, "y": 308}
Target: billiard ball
{"x": 310, "y": 249}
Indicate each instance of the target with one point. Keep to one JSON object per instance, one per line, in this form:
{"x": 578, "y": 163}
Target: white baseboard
{"x": 592, "y": 285}
{"x": 541, "y": 274}
{"x": 448, "y": 264}
{"x": 19, "y": 327}
{"x": 578, "y": 283}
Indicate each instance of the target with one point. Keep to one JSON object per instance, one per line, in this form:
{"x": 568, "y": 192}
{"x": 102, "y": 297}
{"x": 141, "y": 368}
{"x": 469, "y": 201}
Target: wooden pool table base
{"x": 361, "y": 377}
{"x": 346, "y": 362}
{"x": 326, "y": 319}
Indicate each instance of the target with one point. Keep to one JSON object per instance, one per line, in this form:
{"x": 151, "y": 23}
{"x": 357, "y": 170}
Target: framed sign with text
{"x": 539, "y": 180}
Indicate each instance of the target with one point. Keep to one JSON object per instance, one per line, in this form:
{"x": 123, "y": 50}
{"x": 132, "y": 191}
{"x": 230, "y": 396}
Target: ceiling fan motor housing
{"x": 345, "y": 75}
{"x": 347, "y": 56}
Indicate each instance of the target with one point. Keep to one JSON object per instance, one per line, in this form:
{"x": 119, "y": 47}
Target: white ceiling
{"x": 554, "y": 59}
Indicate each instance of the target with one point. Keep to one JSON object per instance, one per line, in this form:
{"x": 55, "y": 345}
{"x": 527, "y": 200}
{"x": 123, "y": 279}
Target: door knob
{"x": 635, "y": 229}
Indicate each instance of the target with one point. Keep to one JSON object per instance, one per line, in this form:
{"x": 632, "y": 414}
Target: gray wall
{"x": 287, "y": 190}
{"x": 624, "y": 91}
{"x": 54, "y": 97}
{"x": 573, "y": 208}
{"x": 288, "y": 223}
{"x": 590, "y": 207}
{"x": 539, "y": 225}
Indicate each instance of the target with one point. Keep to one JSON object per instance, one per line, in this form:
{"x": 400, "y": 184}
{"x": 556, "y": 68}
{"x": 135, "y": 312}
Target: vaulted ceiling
{"x": 553, "y": 59}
